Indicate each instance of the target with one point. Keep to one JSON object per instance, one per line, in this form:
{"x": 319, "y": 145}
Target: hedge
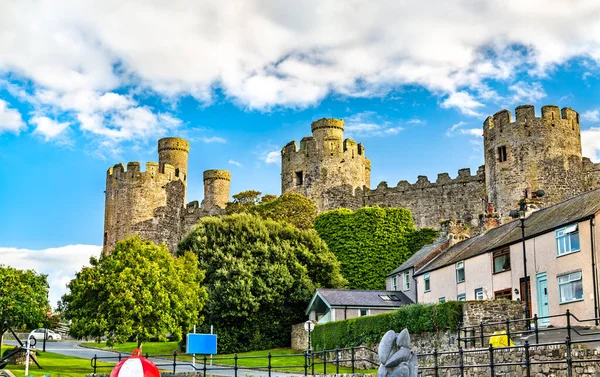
{"x": 368, "y": 330}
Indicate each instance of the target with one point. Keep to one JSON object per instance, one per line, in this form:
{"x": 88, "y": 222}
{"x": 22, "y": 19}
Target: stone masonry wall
{"x": 486, "y": 311}
{"x": 299, "y": 337}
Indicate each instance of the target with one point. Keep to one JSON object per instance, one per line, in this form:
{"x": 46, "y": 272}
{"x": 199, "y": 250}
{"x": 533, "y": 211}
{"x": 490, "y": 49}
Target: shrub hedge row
{"x": 368, "y": 330}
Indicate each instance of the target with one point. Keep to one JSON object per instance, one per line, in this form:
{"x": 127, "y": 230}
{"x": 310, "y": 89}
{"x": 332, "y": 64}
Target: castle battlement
{"x": 423, "y": 183}
{"x": 566, "y": 118}
{"x": 133, "y": 171}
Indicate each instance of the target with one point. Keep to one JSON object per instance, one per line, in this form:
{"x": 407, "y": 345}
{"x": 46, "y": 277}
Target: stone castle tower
{"x": 151, "y": 203}
{"x": 324, "y": 161}
{"x": 532, "y": 153}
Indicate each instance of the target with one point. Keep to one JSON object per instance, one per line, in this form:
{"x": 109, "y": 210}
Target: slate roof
{"x": 352, "y": 297}
{"x": 543, "y": 221}
{"x": 417, "y": 257}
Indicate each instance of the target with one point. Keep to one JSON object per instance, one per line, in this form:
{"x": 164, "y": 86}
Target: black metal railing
{"x": 312, "y": 361}
{"x": 479, "y": 335}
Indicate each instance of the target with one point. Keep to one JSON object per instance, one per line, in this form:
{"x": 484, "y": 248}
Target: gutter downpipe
{"x": 416, "y": 287}
{"x": 594, "y": 272}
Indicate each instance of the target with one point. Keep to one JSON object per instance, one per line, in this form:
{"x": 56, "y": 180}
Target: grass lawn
{"x": 282, "y": 359}
{"x": 55, "y": 365}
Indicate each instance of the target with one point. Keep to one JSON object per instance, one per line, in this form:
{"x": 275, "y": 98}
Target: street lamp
{"x": 520, "y": 214}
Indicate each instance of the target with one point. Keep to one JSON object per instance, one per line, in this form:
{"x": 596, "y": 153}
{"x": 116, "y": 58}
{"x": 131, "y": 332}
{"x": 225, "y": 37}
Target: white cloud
{"x": 273, "y": 157}
{"x": 213, "y": 139}
{"x": 60, "y": 263}
{"x": 450, "y": 131}
{"x": 289, "y": 53}
{"x": 590, "y": 143}
{"x": 10, "y": 119}
{"x": 369, "y": 123}
{"x": 525, "y": 92}
{"x": 233, "y": 162}
{"x": 415, "y": 121}
{"x": 48, "y": 128}
{"x": 591, "y": 115}
{"x": 464, "y": 101}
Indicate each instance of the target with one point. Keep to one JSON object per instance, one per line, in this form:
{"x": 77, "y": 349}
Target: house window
{"x": 395, "y": 283}
{"x": 570, "y": 287}
{"x": 479, "y": 294}
{"x": 461, "y": 297}
{"x": 567, "y": 240}
{"x": 501, "y": 260}
{"x": 364, "y": 312}
{"x": 502, "y": 153}
{"x": 460, "y": 272}
{"x": 426, "y": 282}
{"x": 299, "y": 178}
{"x": 442, "y": 299}
{"x": 406, "y": 281}
{"x": 503, "y": 294}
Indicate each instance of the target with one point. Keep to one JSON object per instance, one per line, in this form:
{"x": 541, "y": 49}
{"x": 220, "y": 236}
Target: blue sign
{"x": 202, "y": 344}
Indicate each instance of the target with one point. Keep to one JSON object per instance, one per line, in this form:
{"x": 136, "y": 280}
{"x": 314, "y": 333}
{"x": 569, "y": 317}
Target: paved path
{"x": 72, "y": 348}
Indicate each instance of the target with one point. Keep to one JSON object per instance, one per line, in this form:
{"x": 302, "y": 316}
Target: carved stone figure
{"x": 397, "y": 360}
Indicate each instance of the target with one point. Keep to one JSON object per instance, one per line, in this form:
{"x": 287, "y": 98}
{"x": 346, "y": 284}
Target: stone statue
{"x": 397, "y": 360}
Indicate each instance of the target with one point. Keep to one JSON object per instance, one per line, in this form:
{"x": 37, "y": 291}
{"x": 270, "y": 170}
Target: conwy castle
{"x": 521, "y": 156}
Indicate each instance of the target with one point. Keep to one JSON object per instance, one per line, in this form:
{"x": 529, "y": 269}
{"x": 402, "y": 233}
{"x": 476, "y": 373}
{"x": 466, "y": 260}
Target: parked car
{"x": 38, "y": 334}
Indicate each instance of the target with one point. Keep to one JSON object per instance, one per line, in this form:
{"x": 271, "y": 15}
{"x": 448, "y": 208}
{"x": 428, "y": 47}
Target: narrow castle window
{"x": 299, "y": 178}
{"x": 502, "y": 153}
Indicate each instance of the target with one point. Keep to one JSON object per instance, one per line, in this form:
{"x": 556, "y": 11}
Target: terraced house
{"x": 561, "y": 258}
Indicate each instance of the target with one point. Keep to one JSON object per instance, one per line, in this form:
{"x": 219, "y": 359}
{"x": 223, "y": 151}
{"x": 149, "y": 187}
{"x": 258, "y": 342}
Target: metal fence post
{"x": 337, "y": 360}
{"x": 95, "y": 362}
{"x": 461, "y": 362}
{"x": 435, "y": 363}
{"x": 352, "y": 358}
{"x": 306, "y": 363}
{"x": 527, "y": 363}
{"x": 269, "y": 365}
{"x": 535, "y": 320}
{"x": 491, "y": 349}
{"x": 569, "y": 358}
{"x": 507, "y": 331}
{"x": 458, "y": 331}
{"x": 235, "y": 364}
{"x": 174, "y": 361}
{"x": 312, "y": 364}
{"x": 324, "y": 361}
{"x": 119, "y": 356}
{"x": 204, "y": 368}
{"x": 568, "y": 324}
{"x": 481, "y": 333}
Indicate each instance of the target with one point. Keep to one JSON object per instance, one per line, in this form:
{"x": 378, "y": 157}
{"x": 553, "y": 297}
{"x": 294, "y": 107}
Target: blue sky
{"x": 83, "y": 89}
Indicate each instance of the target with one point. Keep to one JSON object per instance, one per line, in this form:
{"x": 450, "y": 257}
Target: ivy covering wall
{"x": 371, "y": 242}
{"x": 417, "y": 318}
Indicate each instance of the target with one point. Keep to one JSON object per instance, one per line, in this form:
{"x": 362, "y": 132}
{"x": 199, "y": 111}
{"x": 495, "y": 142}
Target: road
{"x": 73, "y": 348}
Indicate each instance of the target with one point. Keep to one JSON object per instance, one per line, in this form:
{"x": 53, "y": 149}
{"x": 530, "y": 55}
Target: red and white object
{"x": 135, "y": 366}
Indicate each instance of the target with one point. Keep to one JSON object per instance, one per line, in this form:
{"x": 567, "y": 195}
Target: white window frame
{"x": 462, "y": 264}
{"x": 563, "y": 239}
{"x": 394, "y": 283}
{"x": 360, "y": 312}
{"x": 426, "y": 282}
{"x": 479, "y": 290}
{"x": 570, "y": 278}
{"x": 461, "y": 295}
{"x": 406, "y": 281}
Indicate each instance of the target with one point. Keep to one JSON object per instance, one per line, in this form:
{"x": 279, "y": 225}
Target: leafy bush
{"x": 260, "y": 275}
{"x": 416, "y": 318}
{"x": 371, "y": 242}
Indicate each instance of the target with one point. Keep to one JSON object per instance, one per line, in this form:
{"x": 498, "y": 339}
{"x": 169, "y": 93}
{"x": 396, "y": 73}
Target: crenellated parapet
{"x": 151, "y": 172}
{"x": 531, "y": 153}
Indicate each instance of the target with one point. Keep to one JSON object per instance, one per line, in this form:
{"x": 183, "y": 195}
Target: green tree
{"x": 293, "y": 208}
{"x": 260, "y": 276}
{"x": 23, "y": 298}
{"x": 138, "y": 291}
{"x": 371, "y": 242}
{"x": 243, "y": 201}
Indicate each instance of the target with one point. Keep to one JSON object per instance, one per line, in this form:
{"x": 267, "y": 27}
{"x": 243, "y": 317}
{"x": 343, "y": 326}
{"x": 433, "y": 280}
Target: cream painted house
{"x": 562, "y": 256}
